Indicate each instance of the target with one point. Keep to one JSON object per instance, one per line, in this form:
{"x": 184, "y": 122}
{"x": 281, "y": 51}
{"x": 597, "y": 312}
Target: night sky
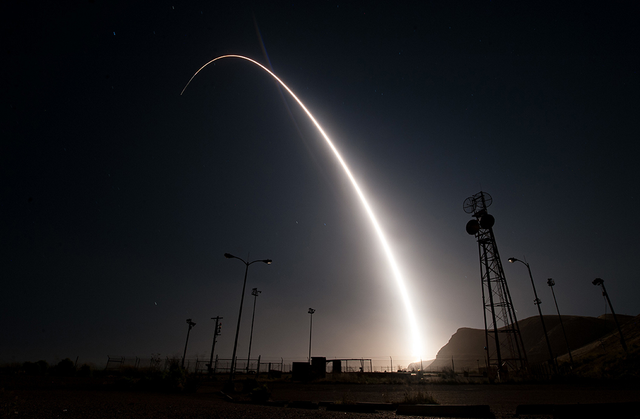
{"x": 120, "y": 197}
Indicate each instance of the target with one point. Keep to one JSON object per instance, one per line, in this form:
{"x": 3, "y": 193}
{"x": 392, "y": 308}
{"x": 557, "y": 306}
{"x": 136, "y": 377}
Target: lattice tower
{"x": 503, "y": 341}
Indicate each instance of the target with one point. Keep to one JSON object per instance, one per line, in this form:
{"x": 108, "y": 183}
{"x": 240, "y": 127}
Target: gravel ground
{"x": 84, "y": 400}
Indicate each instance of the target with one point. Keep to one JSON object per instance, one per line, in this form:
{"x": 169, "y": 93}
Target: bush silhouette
{"x": 35, "y": 368}
{"x": 85, "y": 371}
{"x": 65, "y": 368}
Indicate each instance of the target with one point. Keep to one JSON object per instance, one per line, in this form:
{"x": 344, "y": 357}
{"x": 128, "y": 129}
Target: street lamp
{"x": 311, "y": 311}
{"x": 551, "y": 283}
{"x": 235, "y": 343}
{"x": 600, "y": 282}
{"x": 191, "y": 324}
{"x": 255, "y": 293}
{"x": 537, "y": 302}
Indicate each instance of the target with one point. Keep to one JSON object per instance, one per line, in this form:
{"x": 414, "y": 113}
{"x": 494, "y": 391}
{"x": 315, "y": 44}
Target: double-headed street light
{"x": 235, "y": 343}
{"x": 537, "y": 302}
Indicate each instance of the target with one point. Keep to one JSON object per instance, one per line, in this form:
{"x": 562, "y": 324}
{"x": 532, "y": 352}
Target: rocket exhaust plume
{"x": 416, "y": 350}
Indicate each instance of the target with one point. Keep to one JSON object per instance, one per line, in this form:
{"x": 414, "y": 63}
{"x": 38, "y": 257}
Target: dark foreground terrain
{"x": 44, "y": 397}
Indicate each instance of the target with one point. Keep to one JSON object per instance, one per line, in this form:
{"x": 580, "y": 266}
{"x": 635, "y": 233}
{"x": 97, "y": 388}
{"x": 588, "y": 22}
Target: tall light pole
{"x": 244, "y": 284}
{"x": 600, "y": 282}
{"x": 311, "y": 311}
{"x": 551, "y": 283}
{"x": 255, "y": 293}
{"x": 537, "y": 302}
{"x": 191, "y": 324}
{"x": 216, "y": 332}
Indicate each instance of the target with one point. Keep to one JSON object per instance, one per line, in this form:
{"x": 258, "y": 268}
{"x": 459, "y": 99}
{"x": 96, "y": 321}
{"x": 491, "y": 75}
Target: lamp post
{"x": 311, "y": 311}
{"x": 191, "y": 324}
{"x": 235, "y": 343}
{"x": 600, "y": 282}
{"x": 551, "y": 283}
{"x": 255, "y": 293}
{"x": 537, "y": 302}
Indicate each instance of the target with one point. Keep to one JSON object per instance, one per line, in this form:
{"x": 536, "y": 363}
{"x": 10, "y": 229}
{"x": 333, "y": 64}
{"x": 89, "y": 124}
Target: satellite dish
{"x": 469, "y": 205}
{"x": 483, "y": 200}
{"x": 487, "y": 221}
{"x": 473, "y": 226}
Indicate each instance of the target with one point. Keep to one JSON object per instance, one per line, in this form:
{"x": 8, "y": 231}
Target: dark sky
{"x": 120, "y": 197}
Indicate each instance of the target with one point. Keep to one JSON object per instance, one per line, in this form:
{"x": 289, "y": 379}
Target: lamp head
{"x": 267, "y": 261}
{"x": 228, "y": 255}
{"x": 551, "y": 282}
{"x": 311, "y": 311}
{"x": 597, "y": 281}
{"x": 511, "y": 260}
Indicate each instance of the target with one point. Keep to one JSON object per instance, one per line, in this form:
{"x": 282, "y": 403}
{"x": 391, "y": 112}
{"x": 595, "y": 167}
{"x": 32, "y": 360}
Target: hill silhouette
{"x": 589, "y": 338}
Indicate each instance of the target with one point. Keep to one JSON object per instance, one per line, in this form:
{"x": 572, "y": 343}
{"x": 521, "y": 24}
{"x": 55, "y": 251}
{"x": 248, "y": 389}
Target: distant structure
{"x": 503, "y": 341}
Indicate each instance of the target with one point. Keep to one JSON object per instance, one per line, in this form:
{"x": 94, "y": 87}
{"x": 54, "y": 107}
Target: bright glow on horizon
{"x": 416, "y": 341}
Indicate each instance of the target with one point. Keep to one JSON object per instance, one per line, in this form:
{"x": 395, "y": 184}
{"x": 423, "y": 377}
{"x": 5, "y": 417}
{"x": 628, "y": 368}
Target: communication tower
{"x": 503, "y": 341}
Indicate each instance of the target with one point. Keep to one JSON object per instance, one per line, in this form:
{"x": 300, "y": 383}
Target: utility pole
{"x": 216, "y": 333}
{"x": 600, "y": 282}
{"x": 551, "y": 283}
{"x": 255, "y": 294}
{"x": 311, "y": 311}
{"x": 191, "y": 324}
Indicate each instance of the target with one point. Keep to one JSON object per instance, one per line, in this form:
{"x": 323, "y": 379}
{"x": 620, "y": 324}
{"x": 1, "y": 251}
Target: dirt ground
{"x": 503, "y": 399}
{"x": 75, "y": 398}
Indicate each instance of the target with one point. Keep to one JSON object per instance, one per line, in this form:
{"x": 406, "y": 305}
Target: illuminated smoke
{"x": 416, "y": 349}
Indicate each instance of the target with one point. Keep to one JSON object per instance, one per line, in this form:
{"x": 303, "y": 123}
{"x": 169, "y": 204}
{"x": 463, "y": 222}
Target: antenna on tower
{"x": 503, "y": 341}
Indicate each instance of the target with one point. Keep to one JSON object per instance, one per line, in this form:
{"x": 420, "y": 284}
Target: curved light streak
{"x": 416, "y": 342}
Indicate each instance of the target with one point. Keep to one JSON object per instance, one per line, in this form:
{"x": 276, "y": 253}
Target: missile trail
{"x": 415, "y": 331}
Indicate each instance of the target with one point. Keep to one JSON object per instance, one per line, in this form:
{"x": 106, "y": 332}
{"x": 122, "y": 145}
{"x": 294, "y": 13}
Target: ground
{"x": 45, "y": 397}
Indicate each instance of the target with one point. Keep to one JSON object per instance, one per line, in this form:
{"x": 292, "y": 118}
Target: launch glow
{"x": 416, "y": 340}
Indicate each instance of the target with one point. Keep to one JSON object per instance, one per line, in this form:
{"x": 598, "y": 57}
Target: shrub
{"x": 260, "y": 394}
{"x": 419, "y": 397}
{"x": 448, "y": 374}
{"x": 35, "y": 368}
{"x": 347, "y": 398}
{"x": 84, "y": 371}
{"x": 65, "y": 368}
